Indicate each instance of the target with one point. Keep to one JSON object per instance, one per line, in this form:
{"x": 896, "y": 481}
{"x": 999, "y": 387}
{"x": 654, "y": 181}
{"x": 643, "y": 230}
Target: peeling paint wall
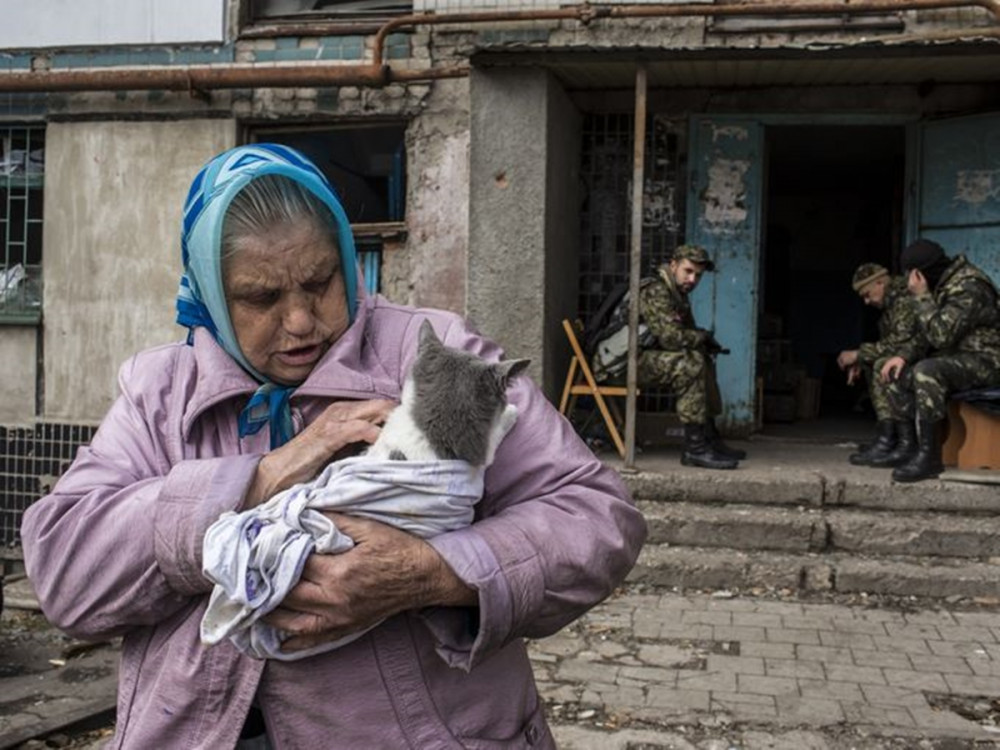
{"x": 17, "y": 372}
{"x": 524, "y": 215}
{"x": 977, "y": 186}
{"x": 429, "y": 270}
{"x": 725, "y": 196}
{"x": 113, "y": 198}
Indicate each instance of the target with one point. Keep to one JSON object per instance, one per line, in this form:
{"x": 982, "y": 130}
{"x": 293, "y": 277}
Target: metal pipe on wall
{"x": 207, "y": 78}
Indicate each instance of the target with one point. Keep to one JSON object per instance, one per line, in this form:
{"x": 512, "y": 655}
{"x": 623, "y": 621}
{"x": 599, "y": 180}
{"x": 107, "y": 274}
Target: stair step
{"x": 855, "y": 487}
{"x": 662, "y": 565}
{"x": 751, "y": 527}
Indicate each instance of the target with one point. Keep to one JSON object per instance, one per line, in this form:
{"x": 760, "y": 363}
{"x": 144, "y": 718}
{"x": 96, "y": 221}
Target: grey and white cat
{"x": 453, "y": 406}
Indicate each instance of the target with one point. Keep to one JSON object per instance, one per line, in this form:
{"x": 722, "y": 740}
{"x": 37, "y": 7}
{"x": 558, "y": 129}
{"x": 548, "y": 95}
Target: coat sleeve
{"x": 665, "y": 322}
{"x": 946, "y": 322}
{"x": 903, "y": 335}
{"x": 555, "y": 533}
{"x": 117, "y": 543}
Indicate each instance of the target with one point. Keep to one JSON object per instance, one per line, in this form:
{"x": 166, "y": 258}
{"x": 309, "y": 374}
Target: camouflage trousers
{"x": 922, "y": 390}
{"x": 690, "y": 374}
{"x": 878, "y": 391}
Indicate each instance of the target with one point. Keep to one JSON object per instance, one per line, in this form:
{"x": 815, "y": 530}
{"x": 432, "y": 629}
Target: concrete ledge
{"x": 914, "y": 534}
{"x": 929, "y": 495}
{"x": 694, "y": 485}
{"x": 799, "y": 530}
{"x": 800, "y": 474}
{"x": 690, "y": 568}
{"x": 699, "y": 568}
{"x": 911, "y": 579}
{"x": 735, "y": 526}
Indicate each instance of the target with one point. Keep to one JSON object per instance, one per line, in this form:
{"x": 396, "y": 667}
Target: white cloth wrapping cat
{"x": 256, "y": 557}
{"x": 424, "y": 475}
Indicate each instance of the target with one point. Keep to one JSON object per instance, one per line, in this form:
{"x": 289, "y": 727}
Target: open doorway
{"x": 834, "y": 200}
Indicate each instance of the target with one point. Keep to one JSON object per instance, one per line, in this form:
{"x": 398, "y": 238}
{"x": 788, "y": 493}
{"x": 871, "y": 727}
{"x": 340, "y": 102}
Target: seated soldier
{"x": 682, "y": 357}
{"x": 958, "y": 310}
{"x": 899, "y": 335}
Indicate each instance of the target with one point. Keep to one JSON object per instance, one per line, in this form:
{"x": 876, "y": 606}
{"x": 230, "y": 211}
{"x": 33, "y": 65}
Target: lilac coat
{"x": 115, "y": 550}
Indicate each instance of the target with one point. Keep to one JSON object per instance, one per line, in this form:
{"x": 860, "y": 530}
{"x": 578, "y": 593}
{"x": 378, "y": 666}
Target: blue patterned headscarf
{"x": 200, "y": 298}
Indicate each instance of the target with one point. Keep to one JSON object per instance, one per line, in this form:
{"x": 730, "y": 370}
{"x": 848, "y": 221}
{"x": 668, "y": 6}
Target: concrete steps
{"x": 748, "y": 527}
{"x": 840, "y": 530}
{"x": 663, "y": 566}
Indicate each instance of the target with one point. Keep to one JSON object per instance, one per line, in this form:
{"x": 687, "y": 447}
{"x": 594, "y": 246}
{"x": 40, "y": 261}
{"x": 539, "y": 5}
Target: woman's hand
{"x": 388, "y": 571}
{"x": 305, "y": 455}
{"x": 891, "y": 369}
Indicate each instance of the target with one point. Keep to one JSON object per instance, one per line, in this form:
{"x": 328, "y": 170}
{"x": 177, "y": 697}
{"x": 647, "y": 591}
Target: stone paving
{"x": 645, "y": 660}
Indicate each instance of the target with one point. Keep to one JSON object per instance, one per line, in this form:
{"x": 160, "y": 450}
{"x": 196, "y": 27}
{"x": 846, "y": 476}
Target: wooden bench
{"x": 973, "y": 440}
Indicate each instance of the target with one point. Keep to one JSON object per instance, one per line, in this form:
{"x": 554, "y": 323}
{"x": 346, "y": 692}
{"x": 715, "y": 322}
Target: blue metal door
{"x": 723, "y": 215}
{"x": 958, "y": 199}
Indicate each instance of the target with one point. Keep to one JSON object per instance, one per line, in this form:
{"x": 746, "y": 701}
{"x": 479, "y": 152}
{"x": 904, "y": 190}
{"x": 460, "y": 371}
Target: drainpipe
{"x": 199, "y": 79}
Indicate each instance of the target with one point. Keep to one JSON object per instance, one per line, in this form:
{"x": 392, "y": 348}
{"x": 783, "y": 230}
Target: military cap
{"x": 695, "y": 254}
{"x": 921, "y": 255}
{"x": 866, "y": 274}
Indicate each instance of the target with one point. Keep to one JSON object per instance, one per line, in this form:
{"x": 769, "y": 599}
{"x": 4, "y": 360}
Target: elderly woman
{"x": 290, "y": 365}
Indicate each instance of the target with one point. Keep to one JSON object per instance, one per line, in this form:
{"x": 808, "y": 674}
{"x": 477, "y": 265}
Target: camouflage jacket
{"x": 666, "y": 311}
{"x": 899, "y": 331}
{"x": 963, "y": 313}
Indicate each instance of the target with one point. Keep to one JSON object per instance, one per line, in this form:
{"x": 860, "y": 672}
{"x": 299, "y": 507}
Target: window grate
{"x": 32, "y": 458}
{"x": 22, "y": 169}
{"x": 606, "y": 170}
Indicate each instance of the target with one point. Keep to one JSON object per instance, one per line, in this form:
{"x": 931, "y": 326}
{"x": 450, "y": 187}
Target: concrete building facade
{"x": 794, "y": 142}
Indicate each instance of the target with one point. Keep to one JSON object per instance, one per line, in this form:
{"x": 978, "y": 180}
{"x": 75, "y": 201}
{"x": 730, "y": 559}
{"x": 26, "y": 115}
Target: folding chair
{"x": 580, "y": 382}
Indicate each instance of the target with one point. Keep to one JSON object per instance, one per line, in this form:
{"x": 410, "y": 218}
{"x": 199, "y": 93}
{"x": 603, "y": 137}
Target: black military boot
{"x": 906, "y": 446}
{"x": 885, "y": 441}
{"x": 926, "y": 463}
{"x": 699, "y": 452}
{"x": 715, "y": 440}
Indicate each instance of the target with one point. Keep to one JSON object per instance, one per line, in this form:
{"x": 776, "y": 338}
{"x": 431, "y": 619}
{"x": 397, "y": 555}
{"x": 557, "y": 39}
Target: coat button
{"x": 531, "y": 734}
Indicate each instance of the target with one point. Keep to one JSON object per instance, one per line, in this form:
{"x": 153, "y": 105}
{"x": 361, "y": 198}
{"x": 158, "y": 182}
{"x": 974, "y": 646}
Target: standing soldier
{"x": 682, "y": 357}
{"x": 958, "y": 308}
{"x": 899, "y": 335}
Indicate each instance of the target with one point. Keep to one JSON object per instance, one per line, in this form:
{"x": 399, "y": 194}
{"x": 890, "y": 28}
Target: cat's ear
{"x": 510, "y": 368}
{"x": 427, "y": 337}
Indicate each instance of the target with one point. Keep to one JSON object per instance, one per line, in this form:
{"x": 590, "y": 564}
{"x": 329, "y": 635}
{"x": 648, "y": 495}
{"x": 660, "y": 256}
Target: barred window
{"x": 22, "y": 176}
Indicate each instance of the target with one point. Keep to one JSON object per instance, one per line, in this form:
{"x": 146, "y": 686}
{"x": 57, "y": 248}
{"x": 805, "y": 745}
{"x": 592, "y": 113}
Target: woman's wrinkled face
{"x": 286, "y": 299}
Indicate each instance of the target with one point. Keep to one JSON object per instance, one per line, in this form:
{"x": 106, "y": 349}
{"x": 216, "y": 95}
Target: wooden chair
{"x": 580, "y": 382}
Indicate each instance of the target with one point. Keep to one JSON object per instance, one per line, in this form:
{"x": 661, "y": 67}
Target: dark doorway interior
{"x": 834, "y": 199}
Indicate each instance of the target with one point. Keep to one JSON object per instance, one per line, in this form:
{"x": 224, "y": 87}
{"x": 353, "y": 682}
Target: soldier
{"x": 899, "y": 335}
{"x": 958, "y": 309}
{"x": 683, "y": 357}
